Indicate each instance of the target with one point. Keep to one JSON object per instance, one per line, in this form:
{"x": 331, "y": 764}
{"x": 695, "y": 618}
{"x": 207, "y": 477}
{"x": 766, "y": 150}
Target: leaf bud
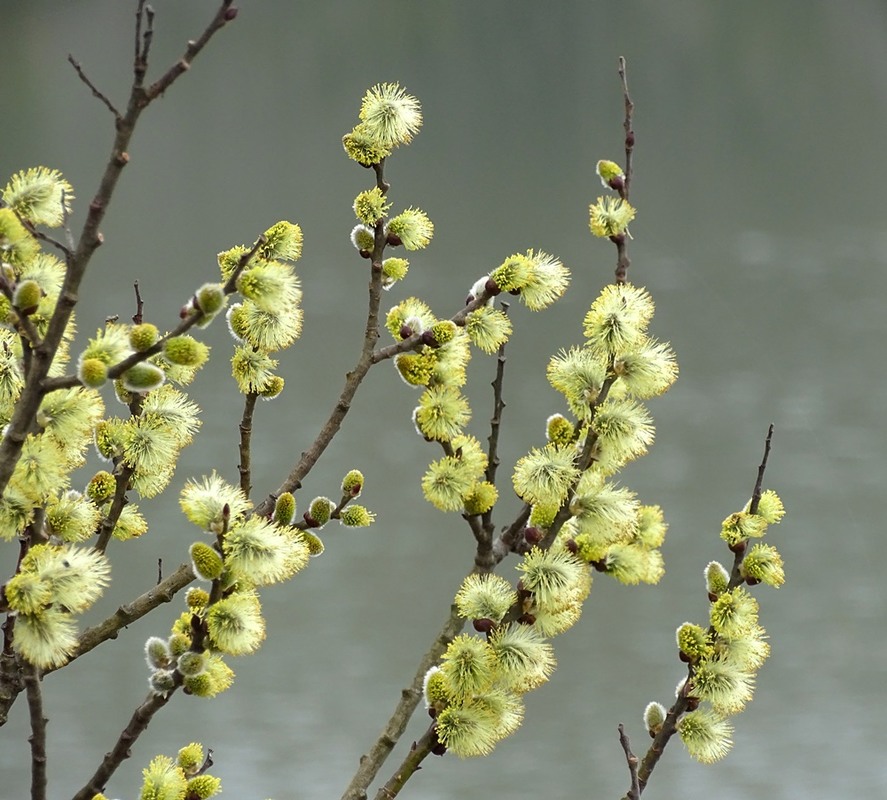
{"x": 142, "y": 377}
{"x": 717, "y": 579}
{"x": 654, "y": 718}
{"x": 185, "y": 351}
{"x": 314, "y": 542}
{"x": 206, "y": 561}
{"x": 27, "y": 296}
{"x": 210, "y": 298}
{"x": 191, "y": 663}
{"x": 142, "y": 336}
{"x": 285, "y": 509}
{"x": 157, "y": 653}
{"x": 162, "y": 682}
{"x": 319, "y": 511}
{"x": 352, "y": 483}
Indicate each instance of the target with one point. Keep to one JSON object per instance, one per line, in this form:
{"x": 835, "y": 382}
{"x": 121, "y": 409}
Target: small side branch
{"x": 92, "y": 87}
{"x": 628, "y": 126}
{"x": 371, "y": 762}
{"x": 634, "y": 793}
{"x": 122, "y": 750}
{"x": 759, "y": 483}
{"x": 128, "y": 613}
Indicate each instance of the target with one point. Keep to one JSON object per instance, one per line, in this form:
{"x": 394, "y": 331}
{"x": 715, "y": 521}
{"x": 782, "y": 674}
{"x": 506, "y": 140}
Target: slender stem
{"x": 371, "y": 762}
{"x": 634, "y": 793}
{"x": 128, "y": 613}
{"x": 409, "y": 766}
{"x": 122, "y": 749}
{"x": 246, "y": 433}
{"x": 37, "y": 738}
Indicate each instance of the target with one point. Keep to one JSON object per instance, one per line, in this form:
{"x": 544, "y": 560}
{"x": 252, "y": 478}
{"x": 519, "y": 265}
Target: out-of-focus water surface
{"x": 761, "y": 234}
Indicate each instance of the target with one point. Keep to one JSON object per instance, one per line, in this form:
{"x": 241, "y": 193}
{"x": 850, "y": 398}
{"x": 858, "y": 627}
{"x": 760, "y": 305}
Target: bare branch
{"x": 92, "y": 87}
{"x": 634, "y": 793}
{"x": 37, "y": 739}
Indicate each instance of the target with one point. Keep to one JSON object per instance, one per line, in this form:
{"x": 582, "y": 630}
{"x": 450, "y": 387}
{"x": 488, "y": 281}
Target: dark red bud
{"x": 231, "y": 13}
{"x": 365, "y": 253}
{"x": 405, "y": 331}
{"x": 309, "y": 520}
{"x": 428, "y": 339}
{"x": 712, "y": 597}
{"x": 629, "y": 139}
{"x": 619, "y": 238}
{"x": 483, "y": 625}
{"x": 739, "y": 547}
{"x": 394, "y": 240}
{"x": 526, "y": 619}
{"x": 533, "y": 535}
{"x": 692, "y": 703}
{"x": 514, "y": 292}
{"x": 356, "y": 490}
{"x": 600, "y": 566}
{"x": 617, "y": 183}
{"x": 652, "y": 734}
{"x": 571, "y": 545}
{"x": 439, "y": 749}
{"x": 752, "y": 581}
{"x": 683, "y": 656}
{"x": 492, "y": 287}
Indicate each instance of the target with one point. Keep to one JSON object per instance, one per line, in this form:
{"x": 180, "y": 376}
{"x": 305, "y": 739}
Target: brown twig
{"x": 122, "y": 749}
{"x": 92, "y": 87}
{"x": 372, "y": 761}
{"x": 246, "y": 433}
{"x": 130, "y": 612}
{"x": 138, "y": 318}
{"x": 37, "y": 739}
{"x": 634, "y": 793}
{"x": 628, "y": 127}
{"x": 409, "y": 766}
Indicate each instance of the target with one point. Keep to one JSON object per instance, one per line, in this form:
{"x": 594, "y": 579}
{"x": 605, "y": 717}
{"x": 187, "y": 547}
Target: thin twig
{"x": 122, "y": 749}
{"x": 130, "y": 612}
{"x": 759, "y": 483}
{"x": 246, "y": 433}
{"x": 371, "y": 762}
{"x": 409, "y": 766}
{"x": 37, "y": 739}
{"x": 634, "y": 793}
{"x": 628, "y": 127}
{"x": 92, "y": 87}
{"x": 137, "y": 318}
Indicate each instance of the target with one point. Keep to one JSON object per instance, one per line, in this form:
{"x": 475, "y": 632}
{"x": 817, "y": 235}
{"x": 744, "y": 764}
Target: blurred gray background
{"x": 759, "y": 185}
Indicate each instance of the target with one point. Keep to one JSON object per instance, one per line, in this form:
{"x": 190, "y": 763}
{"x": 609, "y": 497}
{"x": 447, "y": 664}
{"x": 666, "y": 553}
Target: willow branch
{"x": 128, "y": 613}
{"x": 37, "y": 739}
{"x": 122, "y": 749}
{"x": 92, "y": 87}
{"x": 90, "y": 239}
{"x": 634, "y": 793}
{"x": 246, "y": 434}
{"x": 371, "y": 762}
{"x": 627, "y": 126}
{"x": 410, "y": 765}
